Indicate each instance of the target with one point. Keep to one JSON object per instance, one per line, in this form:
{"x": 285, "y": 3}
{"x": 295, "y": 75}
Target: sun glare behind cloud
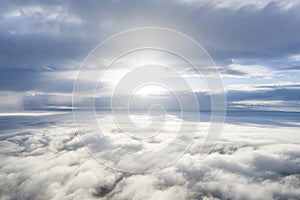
{"x": 150, "y": 90}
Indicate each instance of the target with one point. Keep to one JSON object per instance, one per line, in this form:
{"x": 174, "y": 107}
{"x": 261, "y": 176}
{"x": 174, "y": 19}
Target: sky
{"x": 249, "y": 53}
{"x": 254, "y": 44}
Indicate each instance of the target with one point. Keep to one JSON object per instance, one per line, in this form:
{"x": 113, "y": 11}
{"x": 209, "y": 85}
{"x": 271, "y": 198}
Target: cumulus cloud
{"x": 43, "y": 158}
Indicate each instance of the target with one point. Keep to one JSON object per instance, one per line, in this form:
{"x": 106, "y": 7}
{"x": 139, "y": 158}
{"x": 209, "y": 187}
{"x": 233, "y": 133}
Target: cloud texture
{"x": 44, "y": 159}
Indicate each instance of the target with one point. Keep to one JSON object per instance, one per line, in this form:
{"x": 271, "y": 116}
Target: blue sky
{"x": 255, "y": 44}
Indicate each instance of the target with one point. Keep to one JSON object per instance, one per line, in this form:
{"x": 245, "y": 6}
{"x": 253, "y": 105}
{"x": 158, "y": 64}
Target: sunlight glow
{"x": 150, "y": 90}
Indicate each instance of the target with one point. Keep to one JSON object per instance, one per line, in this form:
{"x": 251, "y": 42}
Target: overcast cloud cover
{"x": 256, "y": 48}
{"x": 43, "y": 43}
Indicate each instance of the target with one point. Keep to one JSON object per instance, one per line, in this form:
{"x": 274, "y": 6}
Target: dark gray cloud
{"x": 28, "y": 80}
{"x": 54, "y": 36}
{"x": 284, "y": 94}
{"x": 32, "y": 36}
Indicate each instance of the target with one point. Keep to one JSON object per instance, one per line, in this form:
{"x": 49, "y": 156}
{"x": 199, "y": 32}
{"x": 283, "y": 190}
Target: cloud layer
{"x": 250, "y": 41}
{"x": 43, "y": 158}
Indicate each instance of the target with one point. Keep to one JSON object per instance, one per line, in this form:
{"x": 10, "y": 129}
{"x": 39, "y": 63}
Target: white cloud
{"x": 11, "y": 101}
{"x": 295, "y": 57}
{"x": 265, "y": 86}
{"x": 251, "y": 71}
{"x": 237, "y": 4}
{"x": 40, "y": 19}
{"x": 259, "y": 102}
{"x": 47, "y": 161}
